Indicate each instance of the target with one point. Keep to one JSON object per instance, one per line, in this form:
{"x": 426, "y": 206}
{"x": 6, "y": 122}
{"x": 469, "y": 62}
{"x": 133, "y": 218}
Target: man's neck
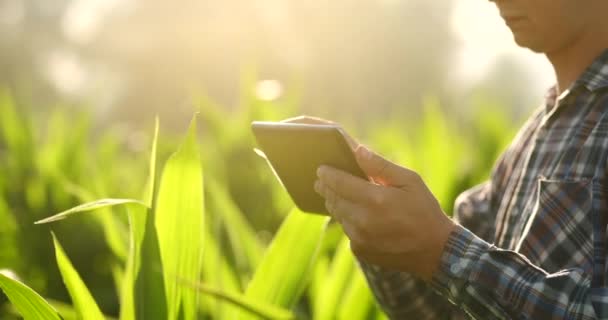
{"x": 570, "y": 62}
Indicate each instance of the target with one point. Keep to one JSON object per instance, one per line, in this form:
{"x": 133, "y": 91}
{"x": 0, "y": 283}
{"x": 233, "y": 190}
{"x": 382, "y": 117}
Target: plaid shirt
{"x": 531, "y": 244}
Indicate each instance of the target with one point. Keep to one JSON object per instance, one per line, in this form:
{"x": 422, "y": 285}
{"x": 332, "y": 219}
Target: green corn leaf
{"x": 112, "y": 228}
{"x": 179, "y": 223}
{"x": 242, "y": 236}
{"x": 151, "y": 183}
{"x": 321, "y": 268}
{"x": 143, "y": 285}
{"x": 437, "y": 140}
{"x": 15, "y": 131}
{"x": 284, "y": 270}
{"x": 103, "y": 203}
{"x": 336, "y": 282}
{"x": 85, "y": 305}
{"x": 66, "y": 311}
{"x": 27, "y": 302}
{"x": 379, "y": 314}
{"x": 358, "y": 301}
{"x": 262, "y": 310}
{"x": 150, "y": 291}
{"x": 9, "y": 253}
{"x": 219, "y": 273}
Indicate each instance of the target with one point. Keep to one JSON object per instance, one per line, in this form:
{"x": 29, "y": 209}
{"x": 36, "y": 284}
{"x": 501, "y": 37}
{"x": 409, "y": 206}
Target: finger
{"x": 382, "y": 170}
{"x": 330, "y": 200}
{"x": 348, "y": 186}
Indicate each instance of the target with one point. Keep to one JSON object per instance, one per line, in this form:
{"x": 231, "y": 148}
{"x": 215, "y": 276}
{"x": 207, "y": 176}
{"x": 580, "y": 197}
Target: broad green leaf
{"x": 66, "y": 311}
{"x": 437, "y": 140}
{"x": 9, "y": 252}
{"x": 379, "y": 314}
{"x": 337, "y": 280}
{"x": 242, "y": 237}
{"x": 103, "y": 203}
{"x": 28, "y": 303}
{"x": 118, "y": 275}
{"x": 179, "y": 223}
{"x": 150, "y": 291}
{"x": 85, "y": 305}
{"x": 112, "y": 229}
{"x": 151, "y": 183}
{"x": 218, "y": 273}
{"x": 317, "y": 283}
{"x": 286, "y": 266}
{"x": 358, "y": 301}
{"x": 143, "y": 284}
{"x": 259, "y": 309}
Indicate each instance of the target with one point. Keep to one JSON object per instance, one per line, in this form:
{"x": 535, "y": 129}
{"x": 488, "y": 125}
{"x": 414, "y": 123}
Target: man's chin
{"x": 526, "y": 42}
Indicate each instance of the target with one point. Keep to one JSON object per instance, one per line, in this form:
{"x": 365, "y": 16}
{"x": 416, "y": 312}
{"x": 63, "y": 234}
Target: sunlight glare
{"x": 65, "y": 72}
{"x": 268, "y": 90}
{"x": 484, "y": 38}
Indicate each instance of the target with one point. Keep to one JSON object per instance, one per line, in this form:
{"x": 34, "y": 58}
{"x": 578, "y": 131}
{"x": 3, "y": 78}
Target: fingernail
{"x": 320, "y": 171}
{"x": 364, "y": 152}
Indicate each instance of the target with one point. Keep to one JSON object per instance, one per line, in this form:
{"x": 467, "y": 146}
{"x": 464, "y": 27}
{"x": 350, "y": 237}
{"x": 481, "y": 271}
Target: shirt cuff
{"x": 460, "y": 254}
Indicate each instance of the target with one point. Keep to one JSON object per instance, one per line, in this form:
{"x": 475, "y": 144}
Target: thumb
{"x": 381, "y": 170}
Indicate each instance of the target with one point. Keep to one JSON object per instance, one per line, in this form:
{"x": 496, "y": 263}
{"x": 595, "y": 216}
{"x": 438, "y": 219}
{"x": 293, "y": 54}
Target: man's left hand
{"x": 393, "y": 221}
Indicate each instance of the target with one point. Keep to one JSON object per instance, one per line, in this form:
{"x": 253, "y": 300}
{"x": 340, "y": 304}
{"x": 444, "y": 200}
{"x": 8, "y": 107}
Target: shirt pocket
{"x": 559, "y": 232}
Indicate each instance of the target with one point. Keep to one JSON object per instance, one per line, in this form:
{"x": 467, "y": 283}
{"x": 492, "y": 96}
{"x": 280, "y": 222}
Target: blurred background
{"x": 128, "y": 59}
{"x": 81, "y": 82}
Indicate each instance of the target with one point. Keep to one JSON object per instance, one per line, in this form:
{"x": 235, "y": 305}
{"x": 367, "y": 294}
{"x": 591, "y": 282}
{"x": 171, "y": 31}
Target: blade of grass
{"x": 103, "y": 203}
{"x": 9, "y": 253}
{"x": 112, "y": 228}
{"x": 256, "y": 308}
{"x": 143, "y": 284}
{"x": 99, "y": 204}
{"x": 219, "y": 273}
{"x": 284, "y": 270}
{"x": 28, "y": 303}
{"x": 321, "y": 269}
{"x": 358, "y": 301}
{"x": 15, "y": 131}
{"x": 336, "y": 282}
{"x": 150, "y": 291}
{"x": 242, "y": 236}
{"x": 66, "y": 311}
{"x": 379, "y": 314}
{"x": 179, "y": 222}
{"x": 85, "y": 305}
{"x": 437, "y": 139}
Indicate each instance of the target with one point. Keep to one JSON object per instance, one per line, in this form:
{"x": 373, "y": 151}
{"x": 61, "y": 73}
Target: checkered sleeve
{"x": 490, "y": 283}
{"x": 403, "y": 296}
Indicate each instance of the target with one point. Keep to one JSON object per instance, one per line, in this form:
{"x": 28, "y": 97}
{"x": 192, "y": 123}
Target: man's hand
{"x": 394, "y": 222}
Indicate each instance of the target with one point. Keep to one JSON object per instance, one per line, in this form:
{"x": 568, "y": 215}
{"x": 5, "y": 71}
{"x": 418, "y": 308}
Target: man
{"x": 530, "y": 243}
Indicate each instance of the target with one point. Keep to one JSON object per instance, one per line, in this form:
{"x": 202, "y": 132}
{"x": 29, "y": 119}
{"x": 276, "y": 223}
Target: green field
{"x": 100, "y": 223}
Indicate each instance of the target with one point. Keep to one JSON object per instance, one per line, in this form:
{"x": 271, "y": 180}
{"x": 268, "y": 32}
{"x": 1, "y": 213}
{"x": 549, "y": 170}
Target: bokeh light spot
{"x": 268, "y": 90}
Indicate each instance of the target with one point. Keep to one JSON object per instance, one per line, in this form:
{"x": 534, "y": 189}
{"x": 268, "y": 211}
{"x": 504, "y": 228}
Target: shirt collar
{"x": 551, "y": 98}
{"x": 595, "y": 77}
